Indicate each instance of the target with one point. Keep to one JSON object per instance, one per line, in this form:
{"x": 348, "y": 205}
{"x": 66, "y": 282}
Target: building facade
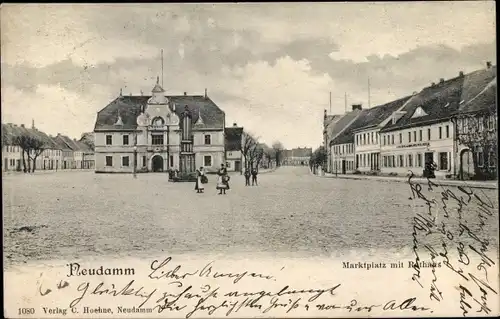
{"x": 299, "y": 156}
{"x": 159, "y": 133}
{"x": 343, "y": 158}
{"x": 411, "y": 148}
{"x": 12, "y": 154}
{"x": 235, "y": 160}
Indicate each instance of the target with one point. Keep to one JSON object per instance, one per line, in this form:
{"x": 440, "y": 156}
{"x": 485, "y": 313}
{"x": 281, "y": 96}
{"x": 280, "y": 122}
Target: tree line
{"x": 256, "y": 153}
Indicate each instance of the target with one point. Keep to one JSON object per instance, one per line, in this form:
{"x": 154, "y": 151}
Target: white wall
{"x": 407, "y": 147}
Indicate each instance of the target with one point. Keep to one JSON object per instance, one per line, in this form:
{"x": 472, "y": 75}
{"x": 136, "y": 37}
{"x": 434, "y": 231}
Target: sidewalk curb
{"x": 416, "y": 181}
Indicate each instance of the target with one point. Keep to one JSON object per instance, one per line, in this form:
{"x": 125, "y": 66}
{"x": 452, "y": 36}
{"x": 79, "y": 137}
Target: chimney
{"x": 58, "y": 134}
{"x": 441, "y": 81}
{"x": 33, "y": 123}
{"x": 357, "y": 107}
{"x": 461, "y": 73}
{"x": 22, "y": 125}
{"x": 433, "y": 84}
{"x": 205, "y": 92}
{"x": 324, "y": 116}
{"x": 185, "y": 93}
{"x": 488, "y": 65}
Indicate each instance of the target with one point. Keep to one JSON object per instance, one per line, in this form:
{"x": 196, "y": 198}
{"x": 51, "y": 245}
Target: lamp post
{"x": 135, "y": 161}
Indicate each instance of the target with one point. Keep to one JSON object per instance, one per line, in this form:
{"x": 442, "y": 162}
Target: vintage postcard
{"x": 270, "y": 160}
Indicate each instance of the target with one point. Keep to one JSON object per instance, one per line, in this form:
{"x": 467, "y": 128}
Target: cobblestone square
{"x": 69, "y": 215}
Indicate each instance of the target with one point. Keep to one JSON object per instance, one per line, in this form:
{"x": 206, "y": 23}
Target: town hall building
{"x": 159, "y": 133}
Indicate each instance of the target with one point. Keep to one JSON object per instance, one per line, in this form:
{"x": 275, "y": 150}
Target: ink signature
{"x": 461, "y": 208}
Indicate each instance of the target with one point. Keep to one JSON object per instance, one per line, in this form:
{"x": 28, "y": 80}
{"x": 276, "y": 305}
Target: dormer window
{"x": 419, "y": 112}
{"x": 158, "y": 121}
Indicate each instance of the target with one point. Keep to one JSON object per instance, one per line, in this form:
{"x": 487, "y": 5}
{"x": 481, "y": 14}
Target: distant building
{"x": 447, "y": 130}
{"x": 297, "y": 156}
{"x": 366, "y": 130}
{"x": 48, "y": 159}
{"x": 341, "y": 148}
{"x": 233, "y": 148}
{"x": 157, "y": 133}
{"x": 65, "y": 143}
{"x": 329, "y": 126}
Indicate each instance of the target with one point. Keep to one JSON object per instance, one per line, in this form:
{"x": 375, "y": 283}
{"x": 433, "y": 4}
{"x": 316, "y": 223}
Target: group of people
{"x": 222, "y": 179}
{"x": 252, "y": 173}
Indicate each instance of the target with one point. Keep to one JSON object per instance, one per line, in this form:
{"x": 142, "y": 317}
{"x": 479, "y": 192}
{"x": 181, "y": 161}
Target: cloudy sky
{"x": 270, "y": 67}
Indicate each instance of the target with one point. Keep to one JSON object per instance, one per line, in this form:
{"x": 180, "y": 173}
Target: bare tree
{"x": 256, "y": 155}
{"x": 278, "y": 152}
{"x": 247, "y": 149}
{"x": 31, "y": 147}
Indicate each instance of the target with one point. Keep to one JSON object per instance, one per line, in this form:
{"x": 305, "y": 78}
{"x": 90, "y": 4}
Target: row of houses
{"x": 299, "y": 156}
{"x": 450, "y": 125}
{"x": 57, "y": 153}
{"x": 164, "y": 133}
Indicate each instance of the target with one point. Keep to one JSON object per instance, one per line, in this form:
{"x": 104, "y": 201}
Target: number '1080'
{"x": 26, "y": 311}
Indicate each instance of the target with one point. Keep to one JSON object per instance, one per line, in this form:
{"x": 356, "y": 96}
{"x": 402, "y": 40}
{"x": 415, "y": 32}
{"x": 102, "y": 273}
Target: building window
{"x": 428, "y": 134}
{"x": 443, "y": 161}
{"x": 125, "y": 139}
{"x": 400, "y": 138}
{"x": 385, "y": 161}
{"x": 125, "y": 161}
{"x": 157, "y": 139}
{"x": 409, "y": 137}
{"x": 414, "y": 136}
{"x": 144, "y": 163}
{"x": 480, "y": 157}
{"x": 372, "y": 138}
{"x": 392, "y": 139}
{"x": 109, "y": 139}
{"x": 410, "y": 160}
{"x": 492, "y": 159}
{"x": 447, "y": 131}
{"x": 207, "y": 160}
{"x": 208, "y": 139}
{"x": 440, "y": 132}
{"x": 357, "y": 160}
{"x": 401, "y": 161}
{"x": 384, "y": 139}
{"x": 109, "y": 160}
{"x": 420, "y": 136}
{"x": 419, "y": 160}
{"x": 376, "y": 138}
{"x": 171, "y": 159}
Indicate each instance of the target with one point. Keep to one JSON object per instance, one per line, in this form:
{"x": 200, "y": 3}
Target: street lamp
{"x": 135, "y": 161}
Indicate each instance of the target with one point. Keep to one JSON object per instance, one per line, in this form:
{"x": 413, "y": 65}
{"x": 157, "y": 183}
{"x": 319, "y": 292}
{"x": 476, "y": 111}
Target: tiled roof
{"x": 479, "y": 91}
{"x": 233, "y": 137}
{"x": 486, "y": 101}
{"x": 66, "y": 143}
{"x": 10, "y": 131}
{"x": 475, "y": 82}
{"x": 48, "y": 142}
{"x": 83, "y": 147}
{"x": 439, "y": 103}
{"x": 369, "y": 118}
{"x": 129, "y": 108}
{"x": 343, "y": 123}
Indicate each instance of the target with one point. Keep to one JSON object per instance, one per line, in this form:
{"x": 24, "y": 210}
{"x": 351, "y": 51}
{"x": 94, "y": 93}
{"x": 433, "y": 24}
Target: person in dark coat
{"x": 223, "y": 180}
{"x": 247, "y": 177}
{"x": 200, "y": 174}
{"x": 254, "y": 176}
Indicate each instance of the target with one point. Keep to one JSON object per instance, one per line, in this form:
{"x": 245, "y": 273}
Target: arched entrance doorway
{"x": 157, "y": 163}
{"x": 466, "y": 164}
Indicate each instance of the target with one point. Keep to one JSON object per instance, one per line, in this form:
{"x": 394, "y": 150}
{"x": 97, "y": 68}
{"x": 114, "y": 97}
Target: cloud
{"x": 54, "y": 109}
{"x": 267, "y": 65}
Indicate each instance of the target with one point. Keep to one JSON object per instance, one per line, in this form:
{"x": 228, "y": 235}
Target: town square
{"x": 250, "y": 159}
